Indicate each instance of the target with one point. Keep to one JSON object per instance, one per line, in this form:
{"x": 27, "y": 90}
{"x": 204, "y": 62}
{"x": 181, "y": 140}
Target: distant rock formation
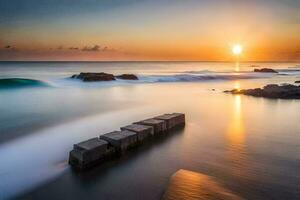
{"x": 101, "y": 76}
{"x": 297, "y": 81}
{"x": 265, "y": 70}
{"x": 285, "y": 91}
{"x": 127, "y": 77}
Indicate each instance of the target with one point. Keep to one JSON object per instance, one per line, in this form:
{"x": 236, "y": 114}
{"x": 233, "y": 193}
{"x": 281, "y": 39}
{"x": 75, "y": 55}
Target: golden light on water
{"x": 186, "y": 184}
{"x": 236, "y": 135}
{"x": 237, "y": 67}
{"x": 237, "y": 85}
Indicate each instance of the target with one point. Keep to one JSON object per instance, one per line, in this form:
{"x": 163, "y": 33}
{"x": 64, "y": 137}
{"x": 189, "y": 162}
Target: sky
{"x": 183, "y": 30}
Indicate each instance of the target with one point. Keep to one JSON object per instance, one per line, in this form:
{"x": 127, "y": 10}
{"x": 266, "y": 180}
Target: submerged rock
{"x": 265, "y": 70}
{"x": 297, "y": 81}
{"x": 192, "y": 185}
{"x": 127, "y": 77}
{"x": 285, "y": 91}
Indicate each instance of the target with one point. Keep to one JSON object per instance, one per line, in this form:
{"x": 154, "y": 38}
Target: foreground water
{"x": 251, "y": 145}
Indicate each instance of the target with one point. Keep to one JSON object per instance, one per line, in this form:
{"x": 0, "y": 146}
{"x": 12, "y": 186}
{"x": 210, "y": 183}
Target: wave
{"x": 188, "y": 76}
{"x": 8, "y": 83}
{"x": 68, "y": 82}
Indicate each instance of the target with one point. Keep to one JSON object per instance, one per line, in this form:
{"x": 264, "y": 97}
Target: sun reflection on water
{"x": 237, "y": 153}
{"x": 236, "y": 129}
{"x": 237, "y": 85}
{"x": 237, "y": 67}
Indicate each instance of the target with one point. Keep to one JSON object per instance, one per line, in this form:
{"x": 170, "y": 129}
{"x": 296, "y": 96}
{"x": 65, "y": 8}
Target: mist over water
{"x": 251, "y": 145}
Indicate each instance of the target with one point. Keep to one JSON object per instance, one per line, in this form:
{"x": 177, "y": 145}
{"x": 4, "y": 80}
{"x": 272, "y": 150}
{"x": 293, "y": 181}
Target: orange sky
{"x": 147, "y": 30}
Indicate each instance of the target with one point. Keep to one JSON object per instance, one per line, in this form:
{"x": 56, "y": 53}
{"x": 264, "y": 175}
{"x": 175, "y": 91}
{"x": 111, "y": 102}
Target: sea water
{"x": 251, "y": 145}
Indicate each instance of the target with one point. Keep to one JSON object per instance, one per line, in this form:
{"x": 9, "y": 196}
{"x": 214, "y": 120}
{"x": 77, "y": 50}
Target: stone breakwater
{"x": 96, "y": 150}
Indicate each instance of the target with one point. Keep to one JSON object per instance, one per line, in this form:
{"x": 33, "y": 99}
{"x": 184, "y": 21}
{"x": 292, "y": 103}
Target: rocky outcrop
{"x": 101, "y": 76}
{"x": 127, "y": 77}
{"x": 265, "y": 70}
{"x": 89, "y": 76}
{"x": 285, "y": 91}
{"x": 297, "y": 81}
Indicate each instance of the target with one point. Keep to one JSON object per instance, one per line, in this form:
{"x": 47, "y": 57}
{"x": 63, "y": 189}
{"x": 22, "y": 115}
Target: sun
{"x": 237, "y": 49}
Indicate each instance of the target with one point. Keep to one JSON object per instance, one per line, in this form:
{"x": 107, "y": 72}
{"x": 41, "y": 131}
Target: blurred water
{"x": 249, "y": 144}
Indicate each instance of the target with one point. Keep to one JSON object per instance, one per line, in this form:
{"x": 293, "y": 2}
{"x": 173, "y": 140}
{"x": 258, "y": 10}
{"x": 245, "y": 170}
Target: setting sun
{"x": 237, "y": 49}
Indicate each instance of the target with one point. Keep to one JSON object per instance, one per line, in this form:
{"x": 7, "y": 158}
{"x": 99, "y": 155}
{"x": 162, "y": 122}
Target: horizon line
{"x": 99, "y": 61}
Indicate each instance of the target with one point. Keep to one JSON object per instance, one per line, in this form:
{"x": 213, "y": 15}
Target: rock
{"x": 89, "y": 76}
{"x": 142, "y": 131}
{"x": 127, "y": 77}
{"x": 87, "y": 153}
{"x": 265, "y": 70}
{"x": 233, "y": 91}
{"x": 121, "y": 140}
{"x": 297, "y": 81}
{"x": 173, "y": 120}
{"x": 285, "y": 91}
{"x": 192, "y": 185}
{"x": 159, "y": 126}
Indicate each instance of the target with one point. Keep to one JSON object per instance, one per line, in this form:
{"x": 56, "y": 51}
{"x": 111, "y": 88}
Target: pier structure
{"x": 97, "y": 150}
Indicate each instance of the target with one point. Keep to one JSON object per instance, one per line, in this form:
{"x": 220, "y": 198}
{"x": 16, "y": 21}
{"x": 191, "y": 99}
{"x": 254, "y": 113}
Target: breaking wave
{"x": 197, "y": 77}
{"x": 163, "y": 78}
{"x": 8, "y": 83}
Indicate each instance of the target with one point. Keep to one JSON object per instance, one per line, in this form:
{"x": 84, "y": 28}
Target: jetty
{"x": 97, "y": 150}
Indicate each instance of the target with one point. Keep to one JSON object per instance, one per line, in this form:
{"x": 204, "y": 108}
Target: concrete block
{"x": 143, "y": 131}
{"x": 159, "y": 126}
{"x": 173, "y": 120}
{"x": 121, "y": 140}
{"x": 89, "y": 152}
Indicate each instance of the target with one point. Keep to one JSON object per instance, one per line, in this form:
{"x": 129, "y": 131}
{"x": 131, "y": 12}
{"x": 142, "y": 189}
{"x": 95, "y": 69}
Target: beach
{"x": 249, "y": 144}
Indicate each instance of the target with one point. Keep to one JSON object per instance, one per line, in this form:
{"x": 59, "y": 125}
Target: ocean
{"x": 249, "y": 144}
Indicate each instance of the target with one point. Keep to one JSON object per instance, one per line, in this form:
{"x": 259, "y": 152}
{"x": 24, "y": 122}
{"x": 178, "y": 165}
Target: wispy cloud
{"x": 94, "y": 48}
{"x": 9, "y": 48}
{"x": 73, "y": 48}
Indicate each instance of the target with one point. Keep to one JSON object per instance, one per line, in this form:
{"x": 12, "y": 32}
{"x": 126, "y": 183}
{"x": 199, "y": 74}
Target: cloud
{"x": 94, "y": 48}
{"x": 97, "y": 48}
{"x": 9, "y": 48}
{"x": 60, "y": 47}
{"x": 73, "y": 48}
{"x": 108, "y": 49}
